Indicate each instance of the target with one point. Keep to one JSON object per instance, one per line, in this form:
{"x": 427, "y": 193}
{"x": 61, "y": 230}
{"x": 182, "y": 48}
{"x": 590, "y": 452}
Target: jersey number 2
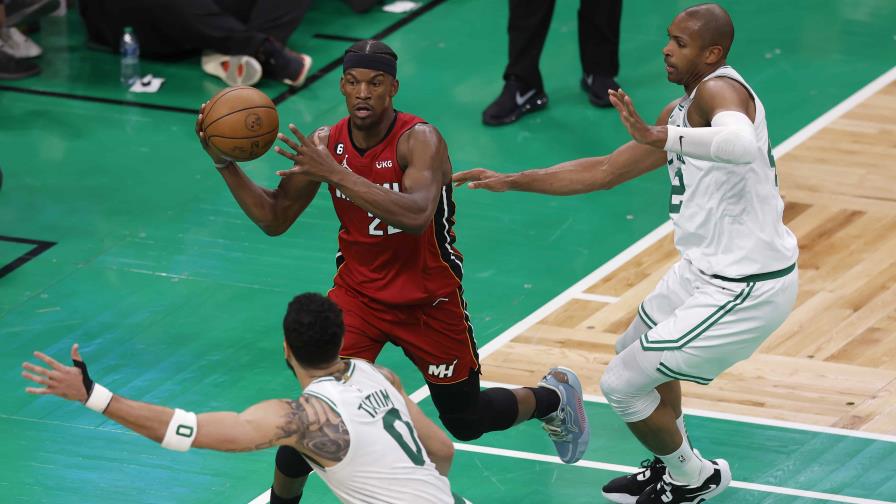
{"x": 415, "y": 453}
{"x": 374, "y": 224}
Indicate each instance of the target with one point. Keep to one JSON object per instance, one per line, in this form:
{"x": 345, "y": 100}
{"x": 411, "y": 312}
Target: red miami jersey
{"x": 376, "y": 259}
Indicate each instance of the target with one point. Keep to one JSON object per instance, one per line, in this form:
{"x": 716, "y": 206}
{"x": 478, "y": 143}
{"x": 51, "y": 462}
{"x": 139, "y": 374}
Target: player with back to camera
{"x": 398, "y": 273}
{"x": 736, "y": 281}
{"x": 367, "y": 440}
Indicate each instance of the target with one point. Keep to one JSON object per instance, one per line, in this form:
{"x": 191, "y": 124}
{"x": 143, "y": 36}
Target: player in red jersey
{"x": 398, "y": 273}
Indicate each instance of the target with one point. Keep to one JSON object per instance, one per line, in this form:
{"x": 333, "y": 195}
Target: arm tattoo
{"x": 321, "y": 436}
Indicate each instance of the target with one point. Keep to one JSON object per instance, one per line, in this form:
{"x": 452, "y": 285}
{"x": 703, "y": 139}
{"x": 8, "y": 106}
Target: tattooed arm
{"x": 309, "y": 425}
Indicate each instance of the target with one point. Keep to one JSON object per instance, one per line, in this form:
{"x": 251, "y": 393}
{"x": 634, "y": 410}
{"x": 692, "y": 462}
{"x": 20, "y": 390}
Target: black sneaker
{"x": 514, "y": 101}
{"x": 670, "y": 492}
{"x": 282, "y": 64}
{"x": 14, "y": 68}
{"x": 597, "y": 88}
{"x": 627, "y": 489}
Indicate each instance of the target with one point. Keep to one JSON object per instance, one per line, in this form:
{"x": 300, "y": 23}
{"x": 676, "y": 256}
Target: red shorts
{"x": 437, "y": 338}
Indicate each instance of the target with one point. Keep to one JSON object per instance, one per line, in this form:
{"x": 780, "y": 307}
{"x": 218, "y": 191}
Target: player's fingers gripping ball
{"x": 241, "y": 123}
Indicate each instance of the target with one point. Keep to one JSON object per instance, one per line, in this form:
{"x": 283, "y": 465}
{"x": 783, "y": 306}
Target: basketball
{"x": 241, "y": 123}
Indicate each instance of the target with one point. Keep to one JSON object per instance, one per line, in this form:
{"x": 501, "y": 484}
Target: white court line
{"x": 742, "y": 418}
{"x": 563, "y": 297}
{"x": 626, "y": 469}
{"x": 600, "y": 298}
{"x": 654, "y": 236}
{"x": 264, "y": 498}
{"x": 829, "y": 116}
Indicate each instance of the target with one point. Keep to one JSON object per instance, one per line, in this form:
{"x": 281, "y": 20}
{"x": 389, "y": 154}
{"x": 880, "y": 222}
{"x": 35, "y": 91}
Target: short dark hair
{"x": 372, "y": 46}
{"x": 313, "y": 329}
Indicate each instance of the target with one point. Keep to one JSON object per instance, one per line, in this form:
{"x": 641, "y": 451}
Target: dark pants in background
{"x": 598, "y": 37}
{"x": 174, "y": 28}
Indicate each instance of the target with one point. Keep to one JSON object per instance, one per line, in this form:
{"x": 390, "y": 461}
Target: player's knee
{"x": 630, "y": 404}
{"x": 464, "y": 427}
{"x": 291, "y": 463}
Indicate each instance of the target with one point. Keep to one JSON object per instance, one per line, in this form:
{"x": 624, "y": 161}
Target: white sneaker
{"x": 235, "y": 70}
{"x": 17, "y": 44}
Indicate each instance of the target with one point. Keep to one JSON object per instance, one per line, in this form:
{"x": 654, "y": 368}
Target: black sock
{"x": 547, "y": 401}
{"x": 276, "y": 499}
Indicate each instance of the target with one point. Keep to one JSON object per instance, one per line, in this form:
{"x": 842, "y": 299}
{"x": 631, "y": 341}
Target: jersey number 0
{"x": 390, "y": 420}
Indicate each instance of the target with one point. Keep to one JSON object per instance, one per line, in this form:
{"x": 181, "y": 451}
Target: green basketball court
{"x": 117, "y": 233}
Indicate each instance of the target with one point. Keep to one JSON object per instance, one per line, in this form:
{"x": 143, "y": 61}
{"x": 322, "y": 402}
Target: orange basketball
{"x": 241, "y": 123}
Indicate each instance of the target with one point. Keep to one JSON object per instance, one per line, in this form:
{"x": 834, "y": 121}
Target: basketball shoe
{"x": 627, "y": 489}
{"x": 568, "y": 426}
{"x": 667, "y": 491}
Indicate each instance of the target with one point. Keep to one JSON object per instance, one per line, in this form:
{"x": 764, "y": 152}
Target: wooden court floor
{"x": 833, "y": 362}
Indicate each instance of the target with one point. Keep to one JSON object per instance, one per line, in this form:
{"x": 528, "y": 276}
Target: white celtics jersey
{"x": 728, "y": 218}
{"x": 386, "y": 462}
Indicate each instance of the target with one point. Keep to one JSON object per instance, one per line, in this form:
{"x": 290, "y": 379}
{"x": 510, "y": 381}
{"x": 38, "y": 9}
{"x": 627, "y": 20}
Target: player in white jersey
{"x": 353, "y": 422}
{"x": 736, "y": 281}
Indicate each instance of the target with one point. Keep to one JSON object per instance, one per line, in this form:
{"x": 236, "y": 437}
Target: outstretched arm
{"x": 436, "y": 443}
{"x": 421, "y": 150}
{"x": 309, "y": 425}
{"x": 580, "y": 176}
{"x": 273, "y": 210}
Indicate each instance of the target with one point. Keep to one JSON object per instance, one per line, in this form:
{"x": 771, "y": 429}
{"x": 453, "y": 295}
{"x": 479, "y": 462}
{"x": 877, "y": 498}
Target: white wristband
{"x": 99, "y": 399}
{"x": 181, "y": 431}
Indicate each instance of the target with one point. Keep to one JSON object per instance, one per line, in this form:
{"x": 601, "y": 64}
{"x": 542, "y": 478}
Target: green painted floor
{"x": 176, "y": 297}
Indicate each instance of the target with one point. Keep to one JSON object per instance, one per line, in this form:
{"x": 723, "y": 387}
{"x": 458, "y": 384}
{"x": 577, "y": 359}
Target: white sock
{"x": 681, "y": 428}
{"x": 685, "y": 466}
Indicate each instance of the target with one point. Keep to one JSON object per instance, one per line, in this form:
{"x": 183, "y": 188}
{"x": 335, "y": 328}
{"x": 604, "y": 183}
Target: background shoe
{"x": 670, "y": 492}
{"x": 598, "y": 88}
{"x": 568, "y": 426}
{"x": 235, "y": 70}
{"x": 24, "y": 11}
{"x": 17, "y": 44}
{"x": 299, "y": 70}
{"x": 627, "y": 489}
{"x": 14, "y": 68}
{"x": 282, "y": 64}
{"x": 515, "y": 100}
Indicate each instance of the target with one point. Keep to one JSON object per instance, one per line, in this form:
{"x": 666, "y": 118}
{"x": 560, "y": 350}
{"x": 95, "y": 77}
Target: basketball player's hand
{"x": 217, "y": 158}
{"x": 480, "y": 178}
{"x": 66, "y": 382}
{"x": 641, "y": 132}
{"x": 308, "y": 158}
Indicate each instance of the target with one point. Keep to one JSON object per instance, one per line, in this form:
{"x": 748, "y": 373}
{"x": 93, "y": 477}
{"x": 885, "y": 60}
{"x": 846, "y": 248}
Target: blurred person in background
{"x": 527, "y": 29}
{"x": 16, "y": 48}
{"x": 241, "y": 40}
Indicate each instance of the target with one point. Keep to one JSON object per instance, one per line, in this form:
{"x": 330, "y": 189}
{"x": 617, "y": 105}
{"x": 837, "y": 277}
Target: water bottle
{"x": 130, "y": 57}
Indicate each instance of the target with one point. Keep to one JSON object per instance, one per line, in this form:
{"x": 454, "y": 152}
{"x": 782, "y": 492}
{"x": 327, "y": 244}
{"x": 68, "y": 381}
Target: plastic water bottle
{"x": 130, "y": 57}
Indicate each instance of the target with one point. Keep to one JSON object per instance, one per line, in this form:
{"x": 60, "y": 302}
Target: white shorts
{"x": 704, "y": 325}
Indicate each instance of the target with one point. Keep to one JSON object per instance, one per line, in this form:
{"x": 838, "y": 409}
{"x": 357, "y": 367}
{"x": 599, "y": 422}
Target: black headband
{"x": 370, "y": 62}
